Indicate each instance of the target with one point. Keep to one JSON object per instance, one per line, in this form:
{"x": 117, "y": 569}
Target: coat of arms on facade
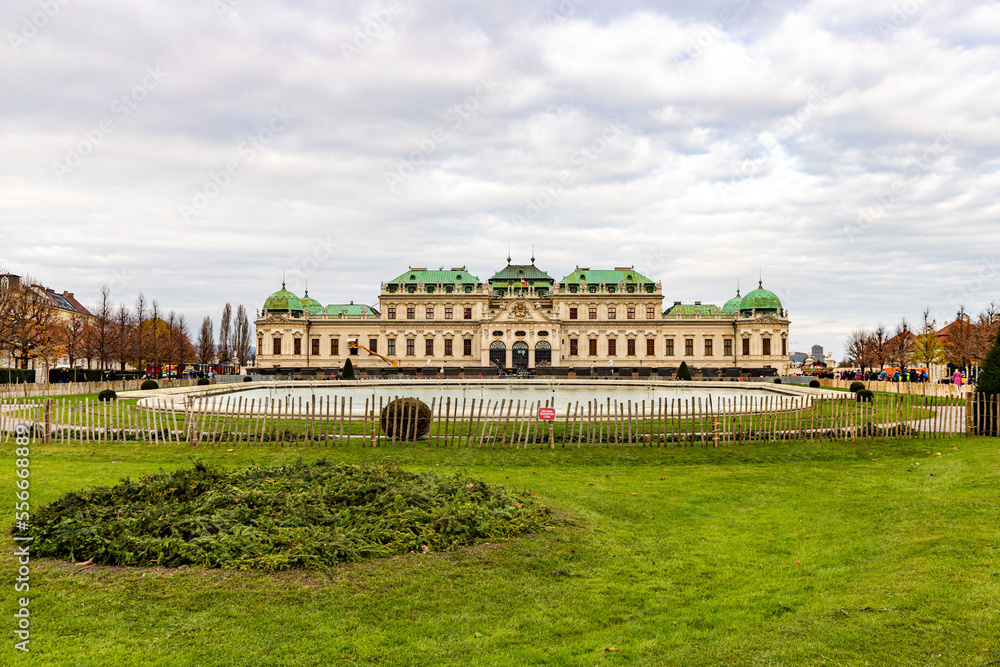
{"x": 520, "y": 310}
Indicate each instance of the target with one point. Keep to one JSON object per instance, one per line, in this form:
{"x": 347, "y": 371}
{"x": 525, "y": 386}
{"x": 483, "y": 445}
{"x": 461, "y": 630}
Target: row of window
{"x": 411, "y": 313}
{"x": 373, "y": 346}
{"x": 574, "y": 288}
{"x": 709, "y": 349}
{"x": 574, "y": 347}
{"x": 430, "y": 289}
{"x": 612, "y": 313}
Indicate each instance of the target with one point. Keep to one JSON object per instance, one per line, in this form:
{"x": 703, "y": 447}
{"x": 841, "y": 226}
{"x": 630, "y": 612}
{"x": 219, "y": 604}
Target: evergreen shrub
{"x": 987, "y": 390}
{"x": 409, "y": 418}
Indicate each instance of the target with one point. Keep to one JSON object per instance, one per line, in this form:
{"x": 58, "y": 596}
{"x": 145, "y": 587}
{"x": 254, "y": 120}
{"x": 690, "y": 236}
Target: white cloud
{"x": 751, "y": 136}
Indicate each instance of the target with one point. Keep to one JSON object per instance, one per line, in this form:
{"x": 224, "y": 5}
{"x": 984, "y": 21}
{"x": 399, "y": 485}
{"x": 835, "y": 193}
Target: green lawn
{"x": 767, "y": 554}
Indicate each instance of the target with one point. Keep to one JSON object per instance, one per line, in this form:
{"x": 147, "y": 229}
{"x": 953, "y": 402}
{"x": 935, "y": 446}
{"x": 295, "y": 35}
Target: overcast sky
{"x": 194, "y": 150}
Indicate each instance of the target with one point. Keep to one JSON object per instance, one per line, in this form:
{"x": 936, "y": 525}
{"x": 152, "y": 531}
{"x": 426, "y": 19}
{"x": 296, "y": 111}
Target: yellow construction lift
{"x": 355, "y": 345}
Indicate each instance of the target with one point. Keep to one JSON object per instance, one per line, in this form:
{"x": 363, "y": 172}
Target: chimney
{"x": 677, "y": 303}
{"x": 697, "y": 303}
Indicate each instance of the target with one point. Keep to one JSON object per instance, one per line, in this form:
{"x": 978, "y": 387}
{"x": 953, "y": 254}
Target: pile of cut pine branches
{"x": 294, "y": 516}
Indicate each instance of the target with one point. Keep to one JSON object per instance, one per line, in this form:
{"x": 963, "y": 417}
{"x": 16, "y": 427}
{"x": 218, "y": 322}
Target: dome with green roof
{"x": 761, "y": 302}
{"x": 732, "y": 307}
{"x": 283, "y": 301}
{"x": 311, "y": 305}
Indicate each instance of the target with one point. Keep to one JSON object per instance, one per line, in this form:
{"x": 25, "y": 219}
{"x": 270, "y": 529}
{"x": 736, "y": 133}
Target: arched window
{"x": 519, "y": 354}
{"x": 498, "y": 354}
{"x": 543, "y": 354}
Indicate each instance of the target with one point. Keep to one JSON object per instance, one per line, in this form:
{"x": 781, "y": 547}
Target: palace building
{"x": 523, "y": 318}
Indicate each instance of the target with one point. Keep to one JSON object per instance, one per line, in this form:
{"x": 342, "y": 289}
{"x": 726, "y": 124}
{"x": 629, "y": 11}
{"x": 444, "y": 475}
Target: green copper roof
{"x": 353, "y": 310}
{"x": 282, "y": 301}
{"x": 311, "y": 305}
{"x": 414, "y": 276}
{"x": 627, "y": 276}
{"x": 516, "y": 272}
{"x": 693, "y": 310}
{"x": 732, "y": 307}
{"x": 760, "y": 300}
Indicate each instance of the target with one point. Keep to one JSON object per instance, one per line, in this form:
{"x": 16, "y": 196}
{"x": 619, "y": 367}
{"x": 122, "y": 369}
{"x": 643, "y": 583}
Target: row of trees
{"x": 34, "y": 329}
{"x": 235, "y": 338}
{"x": 963, "y": 344}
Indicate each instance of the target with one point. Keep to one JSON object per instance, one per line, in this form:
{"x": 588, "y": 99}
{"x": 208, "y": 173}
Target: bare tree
{"x": 927, "y": 348}
{"x": 155, "y": 334}
{"x": 102, "y": 333}
{"x": 185, "y": 350}
{"x": 139, "y": 339}
{"x": 73, "y": 335}
{"x": 206, "y": 341}
{"x": 29, "y": 322}
{"x": 960, "y": 343}
{"x": 858, "y": 349}
{"x": 6, "y": 314}
{"x": 123, "y": 336}
{"x": 171, "y": 346}
{"x": 985, "y": 333}
{"x": 879, "y": 342}
{"x": 242, "y": 336}
{"x": 900, "y": 351}
{"x": 225, "y": 335}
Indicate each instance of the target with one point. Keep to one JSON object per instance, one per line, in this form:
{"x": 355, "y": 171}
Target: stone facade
{"x": 521, "y": 318}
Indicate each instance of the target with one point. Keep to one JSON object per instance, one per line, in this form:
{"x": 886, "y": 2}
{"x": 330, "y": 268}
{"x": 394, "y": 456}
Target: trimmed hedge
{"x": 348, "y": 372}
{"x": 857, "y": 386}
{"x": 107, "y": 395}
{"x": 814, "y": 384}
{"x": 777, "y": 380}
{"x": 149, "y": 384}
{"x": 14, "y": 376}
{"x": 58, "y": 375}
{"x": 203, "y": 381}
{"x": 865, "y": 396}
{"x": 684, "y": 373}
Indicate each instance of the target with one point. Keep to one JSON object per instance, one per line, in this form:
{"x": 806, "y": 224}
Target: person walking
{"x": 956, "y": 378}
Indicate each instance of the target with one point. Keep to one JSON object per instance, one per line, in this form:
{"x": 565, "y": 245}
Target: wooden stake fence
{"x": 505, "y": 424}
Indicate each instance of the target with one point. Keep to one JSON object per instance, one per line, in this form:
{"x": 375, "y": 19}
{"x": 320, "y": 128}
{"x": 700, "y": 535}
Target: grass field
{"x": 770, "y": 554}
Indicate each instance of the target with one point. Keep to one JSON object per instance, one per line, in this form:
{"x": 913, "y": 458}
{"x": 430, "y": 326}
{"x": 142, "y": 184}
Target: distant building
{"x": 797, "y": 358}
{"x": 817, "y": 351}
{"x": 64, "y": 307}
{"x": 524, "y": 318}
